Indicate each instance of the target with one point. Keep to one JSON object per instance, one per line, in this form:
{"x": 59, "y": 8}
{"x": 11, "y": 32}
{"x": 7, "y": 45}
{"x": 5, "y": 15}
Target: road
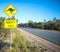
{"x": 45, "y": 34}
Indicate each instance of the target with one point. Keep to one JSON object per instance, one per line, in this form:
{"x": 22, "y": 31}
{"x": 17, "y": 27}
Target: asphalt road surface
{"x": 46, "y": 34}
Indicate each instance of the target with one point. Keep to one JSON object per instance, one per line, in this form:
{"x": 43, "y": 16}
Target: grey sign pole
{"x": 10, "y": 37}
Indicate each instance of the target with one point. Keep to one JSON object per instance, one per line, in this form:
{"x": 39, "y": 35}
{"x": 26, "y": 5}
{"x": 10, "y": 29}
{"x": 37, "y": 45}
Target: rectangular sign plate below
{"x": 10, "y": 23}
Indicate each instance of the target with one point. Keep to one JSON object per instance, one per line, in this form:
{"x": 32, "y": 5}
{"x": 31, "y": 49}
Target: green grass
{"x": 23, "y": 45}
{"x": 20, "y": 44}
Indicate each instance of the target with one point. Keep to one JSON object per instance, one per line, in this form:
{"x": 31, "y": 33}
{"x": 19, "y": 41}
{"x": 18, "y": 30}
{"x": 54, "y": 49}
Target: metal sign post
{"x": 10, "y": 38}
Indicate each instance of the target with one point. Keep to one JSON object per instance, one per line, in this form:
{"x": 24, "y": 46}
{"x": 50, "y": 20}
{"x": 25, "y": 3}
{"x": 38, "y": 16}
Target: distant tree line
{"x": 50, "y": 25}
{"x": 1, "y": 22}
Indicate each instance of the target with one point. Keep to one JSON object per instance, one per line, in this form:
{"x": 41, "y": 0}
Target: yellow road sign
{"x": 10, "y": 23}
{"x": 10, "y": 10}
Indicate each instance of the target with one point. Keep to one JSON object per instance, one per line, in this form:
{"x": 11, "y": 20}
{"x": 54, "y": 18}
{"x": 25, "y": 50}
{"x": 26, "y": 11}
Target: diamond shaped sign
{"x": 10, "y": 10}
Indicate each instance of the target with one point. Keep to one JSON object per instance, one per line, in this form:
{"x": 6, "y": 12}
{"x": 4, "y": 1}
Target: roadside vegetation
{"x": 53, "y": 24}
{"x": 4, "y": 34}
{"x": 19, "y": 43}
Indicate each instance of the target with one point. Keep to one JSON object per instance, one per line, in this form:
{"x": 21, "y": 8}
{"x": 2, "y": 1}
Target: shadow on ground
{"x": 4, "y": 46}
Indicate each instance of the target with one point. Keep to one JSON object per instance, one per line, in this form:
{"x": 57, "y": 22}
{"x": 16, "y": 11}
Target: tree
{"x": 57, "y": 24}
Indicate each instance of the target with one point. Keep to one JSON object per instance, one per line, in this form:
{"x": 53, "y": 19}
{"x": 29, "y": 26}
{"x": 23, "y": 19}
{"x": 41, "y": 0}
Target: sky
{"x": 35, "y": 10}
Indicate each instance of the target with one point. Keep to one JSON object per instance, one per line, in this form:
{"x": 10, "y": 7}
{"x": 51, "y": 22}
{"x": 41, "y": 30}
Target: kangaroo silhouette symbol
{"x": 10, "y": 9}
